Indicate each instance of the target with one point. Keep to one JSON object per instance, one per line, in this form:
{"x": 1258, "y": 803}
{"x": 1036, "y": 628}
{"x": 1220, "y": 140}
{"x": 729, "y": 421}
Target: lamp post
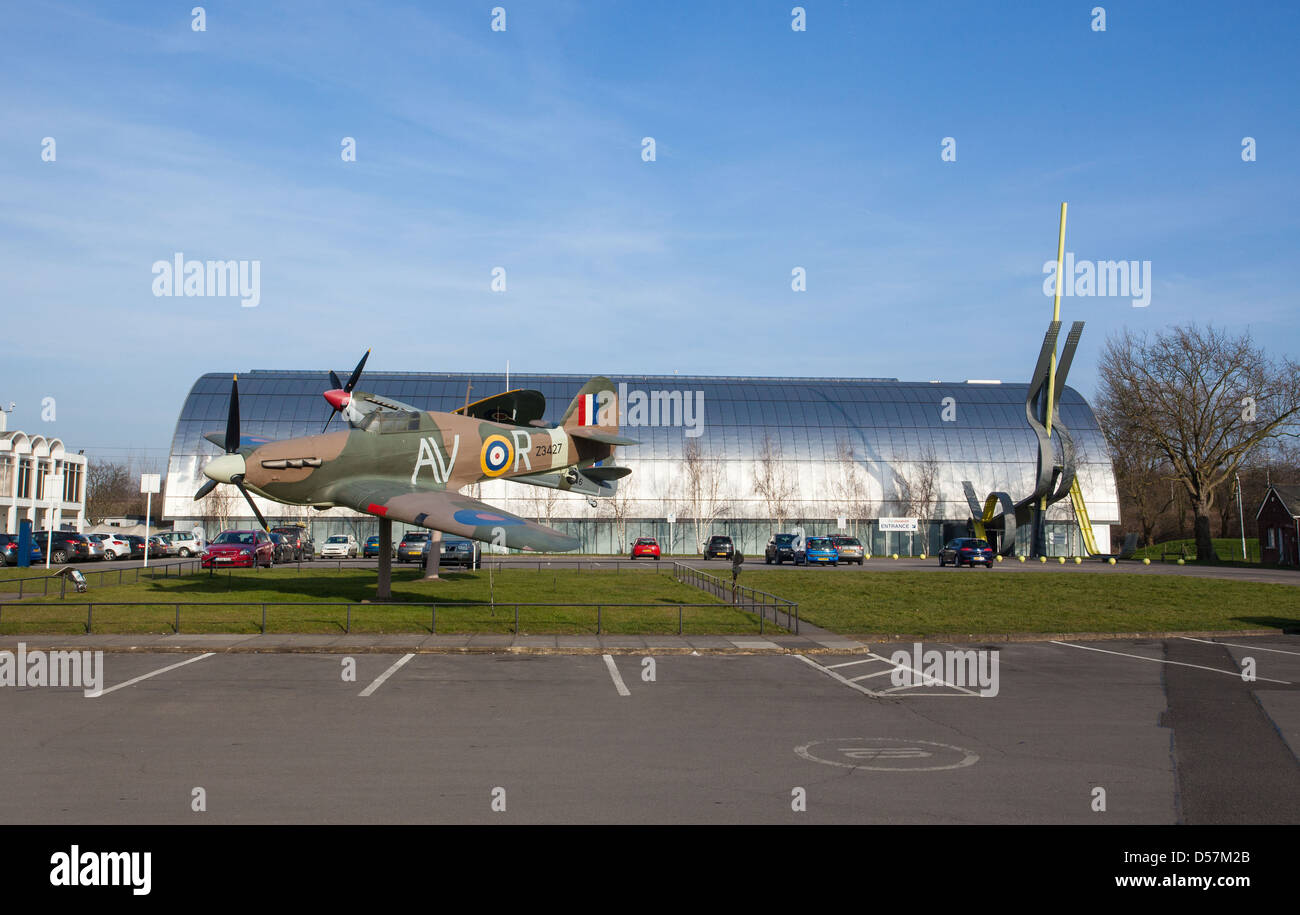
{"x": 1240, "y": 517}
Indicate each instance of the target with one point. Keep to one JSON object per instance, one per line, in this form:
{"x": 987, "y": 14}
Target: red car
{"x": 240, "y": 549}
{"x": 645, "y": 546}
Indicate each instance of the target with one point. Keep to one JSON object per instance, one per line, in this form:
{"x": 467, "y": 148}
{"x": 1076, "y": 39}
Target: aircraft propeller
{"x": 337, "y": 397}
{"x": 230, "y": 467}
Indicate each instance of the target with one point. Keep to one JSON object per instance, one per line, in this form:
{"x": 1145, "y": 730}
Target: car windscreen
{"x": 414, "y": 538}
{"x": 977, "y": 544}
{"x": 849, "y": 541}
{"x": 337, "y": 540}
{"x": 241, "y": 537}
{"x": 784, "y": 539}
{"x": 818, "y": 543}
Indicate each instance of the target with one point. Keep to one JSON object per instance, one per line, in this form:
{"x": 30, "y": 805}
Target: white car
{"x": 340, "y": 546}
{"x": 183, "y": 543}
{"x": 114, "y": 546}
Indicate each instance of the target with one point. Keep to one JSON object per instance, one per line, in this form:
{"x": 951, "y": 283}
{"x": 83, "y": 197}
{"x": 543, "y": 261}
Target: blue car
{"x": 817, "y": 551}
{"x": 9, "y": 551}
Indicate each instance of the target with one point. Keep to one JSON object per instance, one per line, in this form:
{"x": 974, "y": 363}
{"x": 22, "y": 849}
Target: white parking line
{"x": 161, "y": 670}
{"x": 832, "y": 674}
{"x": 1234, "y": 645}
{"x": 617, "y": 678}
{"x": 1122, "y": 654}
{"x": 379, "y": 681}
{"x": 848, "y": 663}
{"x": 921, "y": 678}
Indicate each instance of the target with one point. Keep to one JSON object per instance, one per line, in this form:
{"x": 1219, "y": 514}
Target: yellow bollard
{"x": 1111, "y": 561}
{"x": 1061, "y": 560}
{"x": 1021, "y": 558}
{"x": 1042, "y": 559}
{"x": 1181, "y": 562}
{"x": 999, "y": 557}
{"x": 894, "y": 556}
{"x": 1078, "y": 560}
{"x": 1146, "y": 561}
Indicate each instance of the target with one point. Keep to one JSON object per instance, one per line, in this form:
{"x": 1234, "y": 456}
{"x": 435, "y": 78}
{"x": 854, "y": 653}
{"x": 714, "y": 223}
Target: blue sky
{"x": 522, "y": 149}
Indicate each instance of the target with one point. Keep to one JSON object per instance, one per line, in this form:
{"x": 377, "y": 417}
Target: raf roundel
{"x": 496, "y": 455}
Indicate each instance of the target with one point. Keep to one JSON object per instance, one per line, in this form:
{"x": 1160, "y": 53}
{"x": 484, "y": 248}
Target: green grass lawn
{"x": 1227, "y": 548}
{"x": 317, "y": 600}
{"x": 982, "y": 601}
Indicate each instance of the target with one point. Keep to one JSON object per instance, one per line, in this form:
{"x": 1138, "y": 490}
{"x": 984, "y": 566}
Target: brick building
{"x": 1278, "y": 524}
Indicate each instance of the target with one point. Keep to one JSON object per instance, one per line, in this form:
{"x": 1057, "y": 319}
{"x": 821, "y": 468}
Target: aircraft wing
{"x": 450, "y": 512}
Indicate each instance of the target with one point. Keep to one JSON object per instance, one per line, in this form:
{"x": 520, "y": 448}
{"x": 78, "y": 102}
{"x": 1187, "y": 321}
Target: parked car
{"x": 284, "y": 550}
{"x": 115, "y": 547}
{"x": 137, "y": 546}
{"x": 413, "y": 546}
{"x": 719, "y": 547}
{"x": 299, "y": 540}
{"x": 780, "y": 548}
{"x": 9, "y": 551}
{"x": 339, "y": 546}
{"x": 372, "y": 547}
{"x": 185, "y": 542}
{"x": 456, "y": 551}
{"x": 817, "y": 551}
{"x": 849, "y": 548}
{"x": 160, "y": 548}
{"x": 69, "y": 546}
{"x": 233, "y": 549}
{"x": 967, "y": 550}
{"x": 645, "y": 546}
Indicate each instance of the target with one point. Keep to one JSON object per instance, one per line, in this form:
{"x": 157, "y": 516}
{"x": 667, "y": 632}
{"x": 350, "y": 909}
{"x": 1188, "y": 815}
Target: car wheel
{"x": 2, "y": 560}
{"x": 184, "y": 553}
{"x": 58, "y": 557}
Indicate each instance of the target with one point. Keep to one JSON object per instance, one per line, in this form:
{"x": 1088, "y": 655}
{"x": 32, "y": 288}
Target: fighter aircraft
{"x": 517, "y": 407}
{"x": 408, "y": 465}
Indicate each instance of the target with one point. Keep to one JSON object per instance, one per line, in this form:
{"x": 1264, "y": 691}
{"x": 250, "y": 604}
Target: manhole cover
{"x": 887, "y": 754}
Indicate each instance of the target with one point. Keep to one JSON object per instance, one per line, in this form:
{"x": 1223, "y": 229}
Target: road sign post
{"x": 150, "y": 483}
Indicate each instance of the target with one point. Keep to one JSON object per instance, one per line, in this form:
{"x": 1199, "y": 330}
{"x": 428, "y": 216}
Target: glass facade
{"x": 723, "y": 454}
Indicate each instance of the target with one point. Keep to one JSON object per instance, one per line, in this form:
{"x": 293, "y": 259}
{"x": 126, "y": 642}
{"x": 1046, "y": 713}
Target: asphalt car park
{"x": 1168, "y": 729}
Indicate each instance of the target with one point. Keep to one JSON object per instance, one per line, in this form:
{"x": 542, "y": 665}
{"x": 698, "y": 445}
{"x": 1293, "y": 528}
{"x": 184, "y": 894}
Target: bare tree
{"x": 109, "y": 493}
{"x": 219, "y": 509}
{"x": 619, "y": 508}
{"x": 774, "y": 482}
{"x": 1141, "y": 472}
{"x": 1203, "y": 401}
{"x": 850, "y": 487}
{"x": 700, "y": 490}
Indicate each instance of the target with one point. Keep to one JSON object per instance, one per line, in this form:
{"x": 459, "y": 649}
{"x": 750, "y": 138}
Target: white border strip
{"x": 1230, "y": 673}
{"x": 379, "y": 681}
{"x": 161, "y": 670}
{"x": 1235, "y": 645}
{"x": 617, "y": 678}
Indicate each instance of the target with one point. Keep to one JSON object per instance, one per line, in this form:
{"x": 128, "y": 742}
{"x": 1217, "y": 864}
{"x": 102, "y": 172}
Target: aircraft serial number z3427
{"x": 397, "y": 462}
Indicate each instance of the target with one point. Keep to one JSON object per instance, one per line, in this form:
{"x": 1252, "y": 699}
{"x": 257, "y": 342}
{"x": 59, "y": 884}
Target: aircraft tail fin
{"x": 595, "y": 409}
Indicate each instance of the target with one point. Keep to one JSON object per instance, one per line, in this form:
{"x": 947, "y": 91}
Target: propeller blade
{"x": 327, "y": 424}
{"x": 356, "y": 374}
{"x": 205, "y": 489}
{"x": 232, "y": 419}
{"x": 239, "y": 482}
{"x": 335, "y": 384}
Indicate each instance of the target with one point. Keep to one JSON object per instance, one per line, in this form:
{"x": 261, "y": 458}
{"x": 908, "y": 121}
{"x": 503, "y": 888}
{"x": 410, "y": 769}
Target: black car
{"x": 137, "y": 545}
{"x": 780, "y": 548}
{"x": 719, "y": 547}
{"x": 69, "y": 546}
{"x": 284, "y": 549}
{"x": 299, "y": 543}
{"x": 456, "y": 551}
{"x": 967, "y": 551}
